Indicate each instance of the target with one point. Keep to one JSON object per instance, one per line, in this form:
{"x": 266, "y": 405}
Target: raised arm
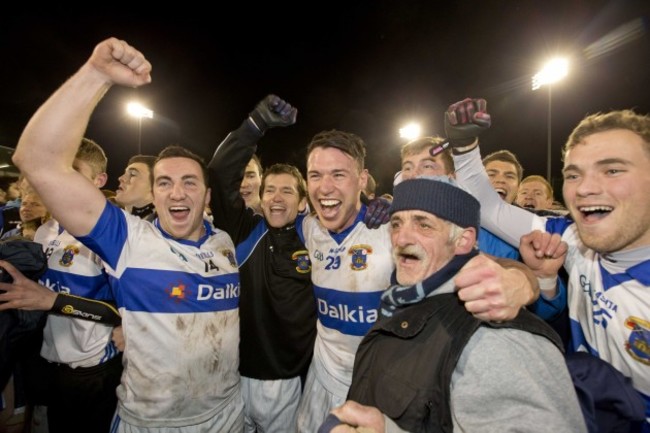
{"x": 230, "y": 159}
{"x": 47, "y": 147}
{"x": 464, "y": 122}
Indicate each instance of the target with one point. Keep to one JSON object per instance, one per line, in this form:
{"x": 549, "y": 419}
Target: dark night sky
{"x": 362, "y": 66}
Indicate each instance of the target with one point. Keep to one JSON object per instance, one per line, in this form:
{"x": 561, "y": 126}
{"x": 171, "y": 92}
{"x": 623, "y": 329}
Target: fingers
{"x": 282, "y": 108}
{"x": 474, "y": 271}
{"x": 469, "y": 111}
{"x": 11, "y": 270}
{"x": 549, "y": 245}
{"x": 120, "y": 63}
{"x": 481, "y": 105}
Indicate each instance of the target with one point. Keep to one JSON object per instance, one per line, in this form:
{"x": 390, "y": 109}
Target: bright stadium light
{"x": 410, "y": 131}
{"x": 139, "y": 111}
{"x": 554, "y": 70}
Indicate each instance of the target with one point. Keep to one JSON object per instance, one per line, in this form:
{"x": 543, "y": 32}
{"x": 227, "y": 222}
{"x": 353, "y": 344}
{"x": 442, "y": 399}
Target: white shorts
{"x": 322, "y": 393}
{"x": 230, "y": 420}
{"x": 270, "y": 405}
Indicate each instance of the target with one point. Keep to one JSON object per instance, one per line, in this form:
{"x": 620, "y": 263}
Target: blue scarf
{"x": 397, "y": 296}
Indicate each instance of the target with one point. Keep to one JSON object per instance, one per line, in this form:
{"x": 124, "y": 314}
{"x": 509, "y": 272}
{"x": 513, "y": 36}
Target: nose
{"x": 588, "y": 185}
{"x": 402, "y": 236}
{"x": 326, "y": 185}
{"x": 177, "y": 192}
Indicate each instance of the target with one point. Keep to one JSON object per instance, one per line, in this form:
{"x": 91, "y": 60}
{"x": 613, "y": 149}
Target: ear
{"x": 363, "y": 179}
{"x": 302, "y": 205}
{"x": 466, "y": 241}
{"x": 100, "y": 180}
{"x": 207, "y": 197}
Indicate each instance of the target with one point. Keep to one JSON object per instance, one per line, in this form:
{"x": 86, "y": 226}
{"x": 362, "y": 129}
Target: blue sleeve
{"x": 550, "y": 309}
{"x": 558, "y": 224}
{"x": 109, "y": 235}
{"x": 495, "y": 246}
{"x": 299, "y": 225}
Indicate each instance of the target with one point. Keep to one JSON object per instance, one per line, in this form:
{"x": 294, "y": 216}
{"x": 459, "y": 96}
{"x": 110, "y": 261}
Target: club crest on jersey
{"x": 359, "y": 257}
{"x": 303, "y": 264}
{"x": 230, "y": 255}
{"x": 68, "y": 255}
{"x": 177, "y": 292}
{"x": 638, "y": 345}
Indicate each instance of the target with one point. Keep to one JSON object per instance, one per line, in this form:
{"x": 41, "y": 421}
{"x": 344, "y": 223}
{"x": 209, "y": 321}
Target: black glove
{"x": 271, "y": 112}
{"x": 465, "y": 121}
{"x": 377, "y": 213}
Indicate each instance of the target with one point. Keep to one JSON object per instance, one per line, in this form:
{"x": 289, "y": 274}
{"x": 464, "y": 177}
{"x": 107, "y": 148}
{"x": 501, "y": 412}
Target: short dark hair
{"x": 505, "y": 156}
{"x": 290, "y": 170}
{"x": 148, "y": 160}
{"x": 346, "y": 142}
{"x": 175, "y": 151}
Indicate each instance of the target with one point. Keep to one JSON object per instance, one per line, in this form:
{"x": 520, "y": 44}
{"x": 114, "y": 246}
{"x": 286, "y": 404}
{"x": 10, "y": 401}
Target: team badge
{"x": 303, "y": 264}
{"x": 638, "y": 345}
{"x": 230, "y": 256}
{"x": 68, "y": 255}
{"x": 359, "y": 255}
{"x": 177, "y": 292}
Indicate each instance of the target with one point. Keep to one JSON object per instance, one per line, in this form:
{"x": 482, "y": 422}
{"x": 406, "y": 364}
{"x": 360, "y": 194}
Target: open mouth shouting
{"x": 329, "y": 207}
{"x": 595, "y": 213}
{"x": 179, "y": 213}
{"x": 502, "y": 193}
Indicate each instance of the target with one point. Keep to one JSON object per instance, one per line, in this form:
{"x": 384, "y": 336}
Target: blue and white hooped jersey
{"x": 74, "y": 269}
{"x": 179, "y": 302}
{"x": 609, "y": 307}
{"x": 350, "y": 270}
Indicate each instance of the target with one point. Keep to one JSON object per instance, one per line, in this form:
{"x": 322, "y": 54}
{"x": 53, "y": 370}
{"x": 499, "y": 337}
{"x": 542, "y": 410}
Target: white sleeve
{"x": 504, "y": 220}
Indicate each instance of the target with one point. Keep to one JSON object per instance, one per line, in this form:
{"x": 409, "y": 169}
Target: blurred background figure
{"x": 505, "y": 173}
{"x": 134, "y": 193}
{"x": 535, "y": 193}
{"x": 3, "y": 197}
{"x": 250, "y": 184}
{"x": 32, "y": 214}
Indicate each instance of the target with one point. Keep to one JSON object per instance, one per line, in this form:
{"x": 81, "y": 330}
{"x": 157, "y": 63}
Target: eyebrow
{"x": 601, "y": 163}
{"x": 184, "y": 177}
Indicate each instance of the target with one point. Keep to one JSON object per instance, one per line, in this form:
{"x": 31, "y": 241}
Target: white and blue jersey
{"x": 607, "y": 296}
{"x": 179, "y": 305}
{"x": 74, "y": 269}
{"x": 350, "y": 270}
{"x": 609, "y": 305}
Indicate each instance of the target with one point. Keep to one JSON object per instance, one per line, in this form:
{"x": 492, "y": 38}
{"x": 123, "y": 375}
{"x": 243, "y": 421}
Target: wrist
{"x": 459, "y": 150}
{"x": 547, "y": 286}
{"x": 257, "y": 126}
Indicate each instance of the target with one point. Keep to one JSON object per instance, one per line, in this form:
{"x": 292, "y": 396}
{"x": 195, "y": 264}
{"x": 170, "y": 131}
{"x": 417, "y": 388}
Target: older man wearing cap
{"x": 429, "y": 365}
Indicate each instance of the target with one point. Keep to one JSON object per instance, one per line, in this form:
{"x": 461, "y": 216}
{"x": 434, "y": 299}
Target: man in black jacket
{"x": 277, "y": 307}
